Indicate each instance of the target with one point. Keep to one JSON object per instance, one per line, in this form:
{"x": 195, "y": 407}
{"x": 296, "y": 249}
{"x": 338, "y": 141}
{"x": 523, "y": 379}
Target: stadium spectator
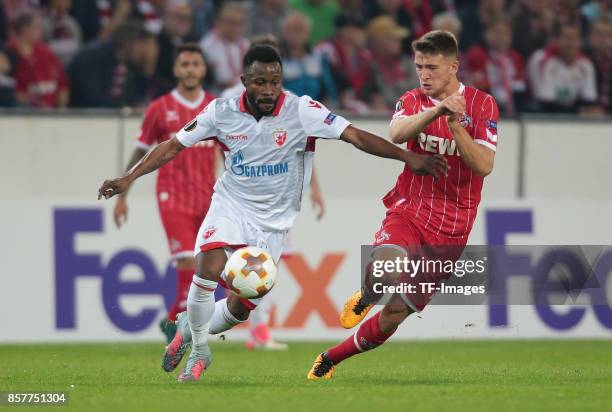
{"x": 533, "y": 26}
{"x": 393, "y": 72}
{"x": 394, "y": 9}
{"x": 474, "y": 19}
{"x": 203, "y": 12}
{"x": 7, "y": 83}
{"x": 568, "y": 13}
{"x": 351, "y": 63}
{"x": 498, "y": 69}
{"x": 9, "y": 10}
{"x": 321, "y": 14}
{"x": 150, "y": 12}
{"x": 40, "y": 80}
{"x": 562, "y": 79}
{"x": 306, "y": 72}
{"x": 421, "y": 12}
{"x": 448, "y": 21}
{"x": 98, "y": 19}
{"x": 600, "y": 52}
{"x": 225, "y": 45}
{"x": 177, "y": 19}
{"x": 61, "y": 31}
{"x": 115, "y": 72}
{"x": 353, "y": 7}
{"x": 265, "y": 16}
{"x": 597, "y": 9}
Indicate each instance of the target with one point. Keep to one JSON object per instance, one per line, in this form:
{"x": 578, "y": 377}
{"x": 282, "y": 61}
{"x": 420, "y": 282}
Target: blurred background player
{"x": 185, "y": 186}
{"x": 425, "y": 215}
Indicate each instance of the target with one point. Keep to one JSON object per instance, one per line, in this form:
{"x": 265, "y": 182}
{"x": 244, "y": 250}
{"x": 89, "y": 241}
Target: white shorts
{"x": 224, "y": 227}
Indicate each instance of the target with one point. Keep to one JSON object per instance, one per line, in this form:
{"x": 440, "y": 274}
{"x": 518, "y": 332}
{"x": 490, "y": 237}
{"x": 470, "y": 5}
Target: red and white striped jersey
{"x": 446, "y": 206}
{"x": 185, "y": 184}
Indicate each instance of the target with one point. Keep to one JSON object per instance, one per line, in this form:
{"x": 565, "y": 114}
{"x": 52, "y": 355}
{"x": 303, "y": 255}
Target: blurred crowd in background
{"x": 548, "y": 56}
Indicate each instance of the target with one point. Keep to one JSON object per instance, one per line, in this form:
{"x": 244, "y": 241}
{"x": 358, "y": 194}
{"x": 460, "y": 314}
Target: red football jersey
{"x": 446, "y": 206}
{"x": 185, "y": 184}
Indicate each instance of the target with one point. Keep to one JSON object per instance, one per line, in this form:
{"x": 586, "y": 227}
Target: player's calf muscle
{"x": 393, "y": 314}
{"x": 210, "y": 264}
{"x": 236, "y": 307}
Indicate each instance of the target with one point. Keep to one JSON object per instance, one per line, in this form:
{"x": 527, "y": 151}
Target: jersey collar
{"x": 461, "y": 90}
{"x": 189, "y": 104}
{"x": 279, "y": 103}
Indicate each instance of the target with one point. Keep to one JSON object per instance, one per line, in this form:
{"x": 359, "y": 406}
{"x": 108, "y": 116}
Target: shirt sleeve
{"x": 318, "y": 121}
{"x": 405, "y": 106}
{"x": 149, "y": 129}
{"x": 485, "y": 130}
{"x": 203, "y": 127}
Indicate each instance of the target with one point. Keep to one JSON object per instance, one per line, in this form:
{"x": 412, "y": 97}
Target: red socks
{"x": 367, "y": 337}
{"x": 183, "y": 282}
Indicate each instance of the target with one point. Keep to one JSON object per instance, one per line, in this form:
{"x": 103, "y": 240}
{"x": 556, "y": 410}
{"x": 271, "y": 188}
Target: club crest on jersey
{"x": 209, "y": 232}
{"x": 280, "y": 136}
{"x": 465, "y": 120}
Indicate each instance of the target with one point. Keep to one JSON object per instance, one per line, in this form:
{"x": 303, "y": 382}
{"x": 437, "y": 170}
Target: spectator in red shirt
{"x": 498, "y": 69}
{"x": 40, "y": 80}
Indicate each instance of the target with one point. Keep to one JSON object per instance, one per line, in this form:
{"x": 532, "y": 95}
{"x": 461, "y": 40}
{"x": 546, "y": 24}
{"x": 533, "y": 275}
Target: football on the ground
{"x": 250, "y": 272}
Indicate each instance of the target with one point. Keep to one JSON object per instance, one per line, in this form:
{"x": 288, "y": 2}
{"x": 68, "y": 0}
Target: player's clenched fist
{"x": 435, "y": 165}
{"x": 455, "y": 103}
{"x": 113, "y": 187}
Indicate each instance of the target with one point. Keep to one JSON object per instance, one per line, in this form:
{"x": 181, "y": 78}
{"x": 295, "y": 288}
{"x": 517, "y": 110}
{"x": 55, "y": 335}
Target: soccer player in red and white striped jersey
{"x": 185, "y": 186}
{"x": 426, "y": 216}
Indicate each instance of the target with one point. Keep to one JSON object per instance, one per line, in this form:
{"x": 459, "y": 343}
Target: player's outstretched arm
{"x": 435, "y": 165}
{"x": 156, "y": 158}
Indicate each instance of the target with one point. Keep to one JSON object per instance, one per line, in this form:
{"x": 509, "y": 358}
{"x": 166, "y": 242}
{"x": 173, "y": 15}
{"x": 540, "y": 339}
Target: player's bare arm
{"x": 156, "y": 158}
{"x": 421, "y": 164}
{"x": 404, "y": 128}
{"x": 477, "y": 157}
{"x": 121, "y": 208}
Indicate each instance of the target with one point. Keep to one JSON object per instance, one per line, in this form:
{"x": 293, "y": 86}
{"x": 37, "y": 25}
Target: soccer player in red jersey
{"x": 444, "y": 117}
{"x": 185, "y": 186}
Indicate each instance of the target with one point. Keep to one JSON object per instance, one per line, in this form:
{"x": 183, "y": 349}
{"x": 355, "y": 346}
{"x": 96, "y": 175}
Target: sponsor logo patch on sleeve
{"x": 329, "y": 119}
{"x": 492, "y": 124}
{"x": 190, "y": 126}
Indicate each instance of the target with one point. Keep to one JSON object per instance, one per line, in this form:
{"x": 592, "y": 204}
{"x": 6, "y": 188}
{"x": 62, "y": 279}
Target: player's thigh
{"x": 210, "y": 263}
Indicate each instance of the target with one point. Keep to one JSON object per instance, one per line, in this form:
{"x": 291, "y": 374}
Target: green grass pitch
{"x": 419, "y": 376}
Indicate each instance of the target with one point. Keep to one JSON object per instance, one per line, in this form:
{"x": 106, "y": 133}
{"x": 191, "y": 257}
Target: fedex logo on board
{"x": 72, "y": 265}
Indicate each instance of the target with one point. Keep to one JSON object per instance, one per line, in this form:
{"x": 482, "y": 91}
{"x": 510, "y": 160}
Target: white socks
{"x": 222, "y": 319}
{"x": 200, "y": 309}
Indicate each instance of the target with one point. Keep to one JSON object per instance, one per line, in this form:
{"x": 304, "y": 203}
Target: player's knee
{"x": 210, "y": 264}
{"x": 185, "y": 263}
{"x": 237, "y": 308}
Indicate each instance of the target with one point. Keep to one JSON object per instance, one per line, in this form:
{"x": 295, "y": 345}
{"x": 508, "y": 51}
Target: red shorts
{"x": 181, "y": 231}
{"x": 400, "y": 228}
